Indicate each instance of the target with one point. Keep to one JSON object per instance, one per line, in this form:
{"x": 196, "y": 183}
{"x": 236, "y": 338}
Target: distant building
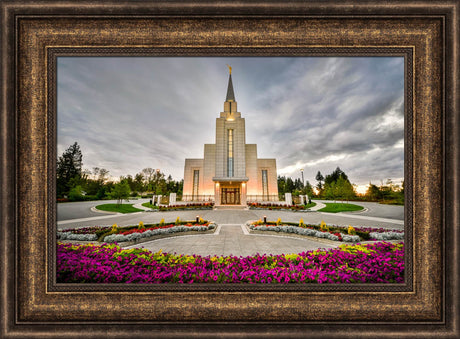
{"x": 230, "y": 172}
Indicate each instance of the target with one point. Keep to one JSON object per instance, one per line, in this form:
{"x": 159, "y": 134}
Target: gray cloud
{"x": 313, "y": 113}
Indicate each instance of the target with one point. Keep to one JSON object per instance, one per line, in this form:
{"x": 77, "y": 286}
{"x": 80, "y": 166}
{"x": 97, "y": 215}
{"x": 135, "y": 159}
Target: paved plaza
{"x": 231, "y": 238}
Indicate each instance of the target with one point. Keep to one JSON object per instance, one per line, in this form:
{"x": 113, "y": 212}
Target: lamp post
{"x": 303, "y": 182}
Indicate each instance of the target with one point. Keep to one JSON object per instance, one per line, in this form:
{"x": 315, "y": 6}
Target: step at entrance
{"x": 230, "y": 207}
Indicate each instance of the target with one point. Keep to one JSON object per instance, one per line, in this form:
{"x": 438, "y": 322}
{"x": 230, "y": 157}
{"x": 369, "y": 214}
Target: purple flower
{"x": 380, "y": 262}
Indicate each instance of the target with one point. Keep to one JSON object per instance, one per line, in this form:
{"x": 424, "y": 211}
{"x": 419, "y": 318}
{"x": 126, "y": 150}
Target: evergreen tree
{"x": 69, "y": 166}
{"x": 289, "y": 185}
{"x": 337, "y": 186}
{"x": 308, "y": 190}
{"x": 334, "y": 176}
{"x": 344, "y": 189}
{"x": 319, "y": 177}
{"x": 330, "y": 191}
{"x": 281, "y": 185}
{"x": 298, "y": 185}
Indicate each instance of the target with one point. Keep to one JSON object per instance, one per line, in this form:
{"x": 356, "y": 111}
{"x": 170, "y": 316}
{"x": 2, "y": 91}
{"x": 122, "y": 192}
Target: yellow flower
{"x": 351, "y": 230}
{"x": 292, "y": 256}
{"x": 114, "y": 227}
{"x": 177, "y": 221}
{"x": 323, "y": 226}
{"x": 162, "y": 222}
{"x": 278, "y": 221}
{"x": 141, "y": 225}
{"x": 301, "y": 224}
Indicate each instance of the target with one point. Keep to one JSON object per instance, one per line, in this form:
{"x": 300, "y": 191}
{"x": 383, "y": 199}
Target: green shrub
{"x": 363, "y": 235}
{"x": 76, "y": 194}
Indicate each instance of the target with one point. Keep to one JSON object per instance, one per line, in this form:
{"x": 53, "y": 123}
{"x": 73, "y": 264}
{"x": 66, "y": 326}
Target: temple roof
{"x": 230, "y": 93}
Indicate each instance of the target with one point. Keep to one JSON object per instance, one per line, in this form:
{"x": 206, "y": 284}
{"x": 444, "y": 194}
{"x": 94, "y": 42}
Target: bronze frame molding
{"x": 33, "y": 34}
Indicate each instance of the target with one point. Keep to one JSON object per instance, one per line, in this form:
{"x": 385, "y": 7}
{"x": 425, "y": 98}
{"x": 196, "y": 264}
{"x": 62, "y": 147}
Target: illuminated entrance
{"x": 230, "y": 196}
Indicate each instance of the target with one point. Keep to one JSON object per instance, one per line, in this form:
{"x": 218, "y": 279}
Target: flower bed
{"x": 370, "y": 263}
{"x": 132, "y": 233}
{"x": 331, "y": 232}
{"x": 337, "y": 236}
{"x": 271, "y": 206}
{"x": 189, "y": 206}
{"x": 133, "y": 236}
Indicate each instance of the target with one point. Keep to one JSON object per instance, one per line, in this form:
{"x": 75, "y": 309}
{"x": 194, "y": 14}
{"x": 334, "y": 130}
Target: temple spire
{"x": 230, "y": 93}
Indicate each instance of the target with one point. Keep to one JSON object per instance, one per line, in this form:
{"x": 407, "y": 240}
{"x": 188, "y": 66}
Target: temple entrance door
{"x": 230, "y": 196}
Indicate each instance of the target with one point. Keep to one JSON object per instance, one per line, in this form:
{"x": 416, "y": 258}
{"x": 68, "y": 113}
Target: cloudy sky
{"x": 315, "y": 113}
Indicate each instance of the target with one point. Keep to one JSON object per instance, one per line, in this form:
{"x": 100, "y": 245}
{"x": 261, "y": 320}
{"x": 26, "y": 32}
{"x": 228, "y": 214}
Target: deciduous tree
{"x": 120, "y": 191}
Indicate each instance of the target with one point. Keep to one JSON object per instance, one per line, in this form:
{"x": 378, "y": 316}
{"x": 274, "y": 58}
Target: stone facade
{"x": 230, "y": 172}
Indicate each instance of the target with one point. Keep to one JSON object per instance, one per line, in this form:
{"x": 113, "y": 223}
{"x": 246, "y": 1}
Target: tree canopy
{"x": 337, "y": 186}
{"x": 75, "y": 183}
{"x": 120, "y": 191}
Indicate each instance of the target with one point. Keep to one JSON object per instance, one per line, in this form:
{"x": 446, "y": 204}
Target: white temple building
{"x": 230, "y": 172}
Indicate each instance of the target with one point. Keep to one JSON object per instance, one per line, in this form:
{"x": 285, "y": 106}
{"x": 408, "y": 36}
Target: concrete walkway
{"x": 139, "y": 206}
{"x": 230, "y": 239}
{"x": 318, "y": 206}
{"x": 234, "y": 217}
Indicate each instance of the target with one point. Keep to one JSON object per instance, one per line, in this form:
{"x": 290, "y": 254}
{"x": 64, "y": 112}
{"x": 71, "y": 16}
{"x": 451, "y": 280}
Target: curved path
{"x": 372, "y": 209}
{"x": 84, "y": 209}
{"x": 233, "y": 239}
{"x": 234, "y": 217}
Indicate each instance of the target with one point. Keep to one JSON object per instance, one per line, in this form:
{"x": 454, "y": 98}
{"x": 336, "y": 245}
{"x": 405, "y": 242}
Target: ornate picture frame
{"x": 33, "y": 36}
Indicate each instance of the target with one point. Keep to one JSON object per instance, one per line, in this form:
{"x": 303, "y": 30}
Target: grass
{"x": 122, "y": 208}
{"x": 149, "y": 205}
{"x": 340, "y": 207}
{"x": 313, "y": 204}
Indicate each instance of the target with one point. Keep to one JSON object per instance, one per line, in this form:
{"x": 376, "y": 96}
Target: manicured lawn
{"x": 149, "y": 205}
{"x": 313, "y": 204}
{"x": 340, "y": 207}
{"x": 122, "y": 208}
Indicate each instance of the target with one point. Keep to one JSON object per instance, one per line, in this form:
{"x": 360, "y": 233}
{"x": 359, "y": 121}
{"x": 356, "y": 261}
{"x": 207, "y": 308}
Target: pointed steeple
{"x": 230, "y": 93}
{"x": 230, "y": 105}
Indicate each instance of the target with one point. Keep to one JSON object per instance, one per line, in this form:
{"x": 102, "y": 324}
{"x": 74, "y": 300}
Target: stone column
{"x": 216, "y": 194}
{"x": 172, "y": 199}
{"x": 159, "y": 200}
{"x": 301, "y": 199}
{"x": 288, "y": 198}
{"x": 244, "y": 194}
